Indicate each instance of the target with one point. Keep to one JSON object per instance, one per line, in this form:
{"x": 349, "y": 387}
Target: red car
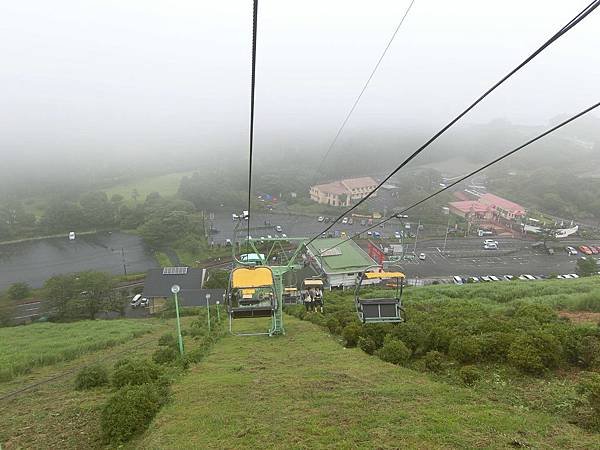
{"x": 586, "y": 250}
{"x": 595, "y": 250}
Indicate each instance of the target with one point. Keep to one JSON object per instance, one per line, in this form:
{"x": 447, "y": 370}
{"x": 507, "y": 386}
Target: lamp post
{"x": 218, "y": 312}
{"x": 208, "y": 311}
{"x": 175, "y": 289}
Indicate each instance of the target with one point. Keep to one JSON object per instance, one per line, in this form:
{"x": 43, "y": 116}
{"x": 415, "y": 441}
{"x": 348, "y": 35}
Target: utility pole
{"x": 447, "y": 227}
{"x": 208, "y": 311}
{"x": 417, "y": 237}
{"x": 123, "y": 259}
{"x": 175, "y": 289}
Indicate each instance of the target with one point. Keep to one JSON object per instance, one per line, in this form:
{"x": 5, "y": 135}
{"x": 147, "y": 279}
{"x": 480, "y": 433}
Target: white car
{"x": 494, "y": 278}
{"x": 422, "y": 256}
{"x": 526, "y": 277}
{"x": 135, "y": 301}
{"x": 283, "y": 235}
{"x": 345, "y": 220}
{"x": 144, "y": 303}
{"x": 320, "y": 219}
{"x": 571, "y": 251}
{"x": 490, "y": 242}
{"x": 485, "y": 278}
{"x": 490, "y": 246}
{"x": 72, "y": 236}
{"x": 574, "y": 275}
{"x": 509, "y": 277}
{"x": 369, "y": 233}
{"x": 474, "y": 279}
{"x": 457, "y": 280}
{"x": 397, "y": 235}
{"x": 278, "y": 228}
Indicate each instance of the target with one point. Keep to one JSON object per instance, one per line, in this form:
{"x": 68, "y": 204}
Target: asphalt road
{"x": 461, "y": 256}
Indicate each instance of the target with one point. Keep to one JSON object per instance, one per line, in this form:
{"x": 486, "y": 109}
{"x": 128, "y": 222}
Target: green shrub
{"x": 438, "y": 339}
{"x": 351, "y": 333}
{"x": 167, "y": 340}
{"x": 129, "y": 411}
{"x": 494, "y": 346}
{"x": 412, "y": 334}
{"x": 469, "y": 375}
{"x": 433, "y": 361}
{"x": 19, "y": 291}
{"x": 367, "y": 345}
{"x": 164, "y": 355}
{"x": 535, "y": 353}
{"x": 135, "y": 372}
{"x": 333, "y": 325}
{"x": 589, "y": 352}
{"x": 589, "y": 387}
{"x": 465, "y": 349}
{"x": 394, "y": 351}
{"x": 91, "y": 377}
{"x": 535, "y": 312}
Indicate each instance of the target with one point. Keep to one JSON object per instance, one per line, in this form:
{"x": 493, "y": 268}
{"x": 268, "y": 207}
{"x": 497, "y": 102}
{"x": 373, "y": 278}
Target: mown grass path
{"x": 305, "y": 391}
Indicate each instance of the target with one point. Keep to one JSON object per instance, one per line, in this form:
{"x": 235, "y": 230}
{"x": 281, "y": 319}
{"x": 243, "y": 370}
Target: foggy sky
{"x": 95, "y": 78}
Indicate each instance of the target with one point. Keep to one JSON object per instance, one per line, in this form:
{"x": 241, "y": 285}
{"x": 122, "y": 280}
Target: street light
{"x": 218, "y": 312}
{"x": 208, "y": 311}
{"x": 175, "y": 289}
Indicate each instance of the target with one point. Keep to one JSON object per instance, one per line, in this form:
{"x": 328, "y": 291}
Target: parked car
{"x": 376, "y": 234}
{"x": 363, "y": 222}
{"x": 369, "y": 233}
{"x": 485, "y": 278}
{"x": 370, "y": 222}
{"x": 571, "y": 251}
{"x": 398, "y": 235}
{"x": 350, "y": 221}
{"x": 227, "y": 242}
{"x": 278, "y": 228}
{"x": 410, "y": 256}
{"x": 527, "y": 277}
{"x": 320, "y": 219}
{"x": 135, "y": 301}
{"x": 490, "y": 242}
{"x": 283, "y": 235}
{"x": 509, "y": 277}
{"x": 71, "y": 235}
{"x": 474, "y": 279}
{"x": 422, "y": 256}
{"x": 327, "y": 219}
{"x": 490, "y": 246}
{"x": 594, "y": 249}
{"x": 144, "y": 303}
{"x": 494, "y": 278}
{"x": 457, "y": 280}
{"x": 574, "y": 275}
{"x": 584, "y": 249}
{"x": 345, "y": 220}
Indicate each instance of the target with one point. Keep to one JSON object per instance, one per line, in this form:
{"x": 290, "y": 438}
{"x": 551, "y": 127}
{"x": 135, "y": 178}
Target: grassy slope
{"x": 305, "y": 391}
{"x": 166, "y": 185}
{"x": 41, "y": 344}
{"x": 54, "y": 415}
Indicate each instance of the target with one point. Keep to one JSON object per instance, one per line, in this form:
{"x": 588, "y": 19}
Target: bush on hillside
{"x": 394, "y": 351}
{"x": 91, "y": 377}
{"x": 167, "y": 340}
{"x": 535, "y": 312}
{"x": 351, "y": 333}
{"x": 469, "y": 375}
{"x": 130, "y": 410}
{"x": 494, "y": 346}
{"x": 19, "y": 291}
{"x": 165, "y": 355}
{"x": 367, "y": 345}
{"x": 412, "y": 334}
{"x": 465, "y": 349}
{"x": 589, "y": 387}
{"x": 589, "y": 352}
{"x": 535, "y": 353}
{"x": 433, "y": 361}
{"x": 438, "y": 339}
{"x": 135, "y": 372}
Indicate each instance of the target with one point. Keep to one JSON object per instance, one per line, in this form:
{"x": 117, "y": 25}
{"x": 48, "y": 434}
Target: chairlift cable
{"x": 469, "y": 175}
{"x": 252, "y": 89}
{"x": 578, "y": 18}
{"x": 364, "y": 88}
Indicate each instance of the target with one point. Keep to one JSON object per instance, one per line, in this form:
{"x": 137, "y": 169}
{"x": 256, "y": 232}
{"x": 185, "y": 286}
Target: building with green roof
{"x": 340, "y": 264}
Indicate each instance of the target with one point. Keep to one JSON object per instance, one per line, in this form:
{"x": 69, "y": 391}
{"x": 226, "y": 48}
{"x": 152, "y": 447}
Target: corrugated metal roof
{"x": 352, "y": 257}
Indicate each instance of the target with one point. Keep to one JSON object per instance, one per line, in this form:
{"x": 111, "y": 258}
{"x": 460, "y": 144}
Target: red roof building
{"x": 502, "y": 207}
{"x": 471, "y": 209}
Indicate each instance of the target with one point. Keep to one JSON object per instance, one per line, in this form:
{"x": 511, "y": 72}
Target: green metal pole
{"x": 178, "y": 325}
{"x": 208, "y": 311}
